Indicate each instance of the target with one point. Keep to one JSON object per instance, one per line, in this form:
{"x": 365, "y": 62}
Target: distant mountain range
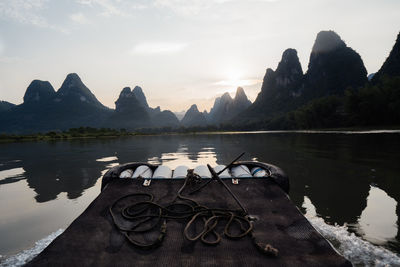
{"x": 74, "y": 105}
{"x": 333, "y": 68}
{"x": 44, "y": 109}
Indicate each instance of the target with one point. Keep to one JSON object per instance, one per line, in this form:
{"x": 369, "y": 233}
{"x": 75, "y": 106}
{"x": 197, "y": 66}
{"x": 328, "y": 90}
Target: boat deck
{"x": 93, "y": 240}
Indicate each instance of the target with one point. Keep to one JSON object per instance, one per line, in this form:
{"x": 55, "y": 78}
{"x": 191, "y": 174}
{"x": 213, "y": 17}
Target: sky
{"x": 180, "y": 52}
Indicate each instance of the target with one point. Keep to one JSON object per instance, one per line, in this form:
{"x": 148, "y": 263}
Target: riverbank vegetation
{"x": 81, "y": 132}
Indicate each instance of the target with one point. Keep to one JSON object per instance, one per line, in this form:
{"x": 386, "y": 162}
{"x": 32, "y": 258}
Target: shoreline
{"x": 64, "y": 136}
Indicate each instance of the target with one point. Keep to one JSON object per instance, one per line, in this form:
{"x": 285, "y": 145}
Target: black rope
{"x": 147, "y": 216}
{"x": 216, "y": 177}
{"x": 221, "y": 171}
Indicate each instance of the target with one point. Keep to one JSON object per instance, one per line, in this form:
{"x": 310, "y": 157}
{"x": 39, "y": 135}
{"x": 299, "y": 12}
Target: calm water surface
{"x": 344, "y": 182}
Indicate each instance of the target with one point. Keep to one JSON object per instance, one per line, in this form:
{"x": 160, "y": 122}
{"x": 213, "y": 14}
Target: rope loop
{"x": 146, "y": 216}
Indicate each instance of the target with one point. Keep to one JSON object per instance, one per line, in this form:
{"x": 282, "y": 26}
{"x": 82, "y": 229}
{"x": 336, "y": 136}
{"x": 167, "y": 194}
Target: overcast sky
{"x": 179, "y": 51}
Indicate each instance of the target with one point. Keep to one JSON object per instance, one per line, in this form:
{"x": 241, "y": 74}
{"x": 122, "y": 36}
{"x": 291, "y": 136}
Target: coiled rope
{"x": 147, "y": 215}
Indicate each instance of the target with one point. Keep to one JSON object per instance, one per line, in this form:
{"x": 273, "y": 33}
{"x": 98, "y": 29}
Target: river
{"x": 346, "y": 183}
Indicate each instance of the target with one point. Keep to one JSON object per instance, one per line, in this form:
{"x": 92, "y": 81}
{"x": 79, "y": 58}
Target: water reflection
{"x": 189, "y": 159}
{"x": 107, "y": 159}
{"x": 378, "y": 220}
{"x": 334, "y": 171}
{"x": 11, "y": 175}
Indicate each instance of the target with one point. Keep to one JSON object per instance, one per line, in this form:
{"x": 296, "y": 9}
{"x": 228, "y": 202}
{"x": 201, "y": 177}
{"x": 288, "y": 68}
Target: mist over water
{"x": 344, "y": 180}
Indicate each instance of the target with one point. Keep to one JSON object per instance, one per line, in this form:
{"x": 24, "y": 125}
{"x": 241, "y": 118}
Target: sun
{"x": 234, "y": 77}
{"x": 231, "y": 78}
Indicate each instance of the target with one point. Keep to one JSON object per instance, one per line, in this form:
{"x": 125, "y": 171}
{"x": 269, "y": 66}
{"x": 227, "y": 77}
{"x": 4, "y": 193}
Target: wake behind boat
{"x": 151, "y": 215}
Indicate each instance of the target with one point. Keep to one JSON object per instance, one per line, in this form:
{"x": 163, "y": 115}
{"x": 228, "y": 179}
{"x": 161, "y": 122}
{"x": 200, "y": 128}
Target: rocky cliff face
{"x": 333, "y": 67}
{"x": 194, "y": 118}
{"x": 284, "y": 83}
{"x": 281, "y": 88}
{"x": 39, "y": 91}
{"x": 391, "y": 66}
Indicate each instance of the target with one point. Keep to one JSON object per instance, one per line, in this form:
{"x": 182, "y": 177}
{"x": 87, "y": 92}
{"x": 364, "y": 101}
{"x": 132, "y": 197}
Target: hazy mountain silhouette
{"x": 73, "y": 91}
{"x": 138, "y": 93}
{"x": 4, "y": 106}
{"x": 225, "y": 108}
{"x": 240, "y": 102}
{"x": 391, "y": 66}
{"x": 194, "y": 118}
{"x": 333, "y": 67}
{"x": 74, "y": 105}
{"x": 132, "y": 112}
{"x": 129, "y": 112}
{"x": 43, "y": 109}
{"x": 39, "y": 91}
{"x": 165, "y": 118}
{"x": 280, "y": 90}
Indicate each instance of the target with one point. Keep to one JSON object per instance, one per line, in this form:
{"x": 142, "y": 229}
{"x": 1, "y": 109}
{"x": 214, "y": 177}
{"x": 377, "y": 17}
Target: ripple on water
{"x": 107, "y": 159}
{"x": 352, "y": 247}
{"x": 27, "y": 255}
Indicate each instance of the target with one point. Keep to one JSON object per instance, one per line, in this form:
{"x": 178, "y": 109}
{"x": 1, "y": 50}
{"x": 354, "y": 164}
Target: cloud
{"x": 26, "y": 12}
{"x": 193, "y": 7}
{"x": 23, "y": 11}
{"x": 79, "y": 18}
{"x": 113, "y": 7}
{"x": 108, "y": 7}
{"x": 185, "y": 7}
{"x": 158, "y": 48}
{"x": 139, "y": 6}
